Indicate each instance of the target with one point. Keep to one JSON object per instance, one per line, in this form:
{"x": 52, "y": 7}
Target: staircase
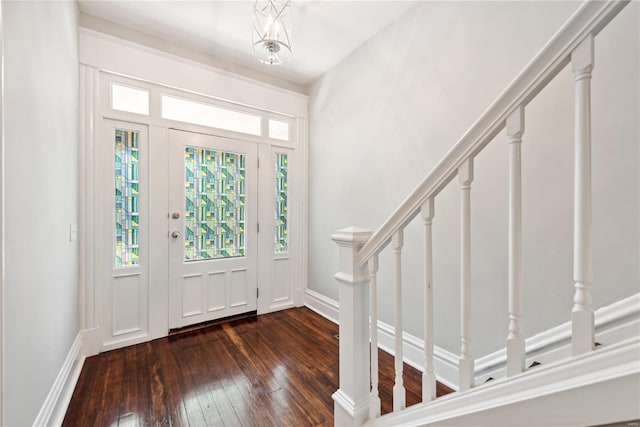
{"x": 570, "y": 391}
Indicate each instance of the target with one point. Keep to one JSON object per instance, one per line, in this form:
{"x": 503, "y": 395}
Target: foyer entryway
{"x": 197, "y": 208}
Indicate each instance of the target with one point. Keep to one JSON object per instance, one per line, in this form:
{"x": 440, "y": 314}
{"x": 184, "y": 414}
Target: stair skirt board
{"x": 614, "y": 323}
{"x": 596, "y": 388}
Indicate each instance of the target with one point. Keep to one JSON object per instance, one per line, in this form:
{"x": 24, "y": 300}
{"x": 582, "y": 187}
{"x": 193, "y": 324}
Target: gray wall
{"x": 41, "y": 137}
{"x": 383, "y": 117}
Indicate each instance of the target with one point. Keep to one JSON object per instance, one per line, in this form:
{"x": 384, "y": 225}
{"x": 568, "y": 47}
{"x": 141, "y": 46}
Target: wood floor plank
{"x": 158, "y": 401}
{"x": 278, "y": 369}
{"x": 133, "y": 397}
{"x": 294, "y": 375}
{"x": 170, "y": 379}
{"x": 255, "y": 381}
{"x": 215, "y": 373}
{"x": 246, "y": 390}
{"x": 108, "y": 410}
{"x": 260, "y": 367}
{"x": 143, "y": 380}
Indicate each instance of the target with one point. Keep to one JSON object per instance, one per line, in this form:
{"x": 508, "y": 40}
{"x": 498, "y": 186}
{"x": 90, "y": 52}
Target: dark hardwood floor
{"x": 278, "y": 369}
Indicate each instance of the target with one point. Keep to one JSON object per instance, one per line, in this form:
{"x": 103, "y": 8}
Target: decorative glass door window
{"x": 281, "y": 229}
{"x": 127, "y": 198}
{"x": 214, "y": 217}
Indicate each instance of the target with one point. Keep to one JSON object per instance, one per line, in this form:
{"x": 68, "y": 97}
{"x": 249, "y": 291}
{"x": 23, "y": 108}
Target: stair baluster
{"x": 582, "y": 323}
{"x": 374, "y": 404}
{"x": 399, "y": 395}
{"x": 465, "y": 177}
{"x": 428, "y": 377}
{"x": 515, "y": 341}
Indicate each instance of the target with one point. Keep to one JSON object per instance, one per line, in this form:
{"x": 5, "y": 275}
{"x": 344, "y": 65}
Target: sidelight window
{"x": 127, "y": 197}
{"x": 281, "y": 229}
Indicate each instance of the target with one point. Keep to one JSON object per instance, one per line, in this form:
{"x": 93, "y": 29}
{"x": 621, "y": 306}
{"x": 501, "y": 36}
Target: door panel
{"x": 212, "y": 227}
{"x": 278, "y": 218}
{"x": 124, "y": 256}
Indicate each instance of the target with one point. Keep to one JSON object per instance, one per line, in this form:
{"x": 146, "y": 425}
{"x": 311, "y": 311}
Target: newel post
{"x": 351, "y": 401}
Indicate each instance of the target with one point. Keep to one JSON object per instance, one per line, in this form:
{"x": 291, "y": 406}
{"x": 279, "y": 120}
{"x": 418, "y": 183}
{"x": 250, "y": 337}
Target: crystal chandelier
{"x": 272, "y": 31}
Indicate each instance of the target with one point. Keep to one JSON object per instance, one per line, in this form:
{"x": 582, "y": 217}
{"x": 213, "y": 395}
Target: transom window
{"x": 127, "y": 97}
{"x": 132, "y": 100}
{"x": 184, "y": 110}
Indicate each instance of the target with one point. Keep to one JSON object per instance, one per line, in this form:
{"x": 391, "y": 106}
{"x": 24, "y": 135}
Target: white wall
{"x": 382, "y": 118}
{"x": 41, "y": 137}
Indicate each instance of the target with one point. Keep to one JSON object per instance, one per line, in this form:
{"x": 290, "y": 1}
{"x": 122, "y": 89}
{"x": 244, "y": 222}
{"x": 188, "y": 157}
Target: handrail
{"x": 590, "y": 18}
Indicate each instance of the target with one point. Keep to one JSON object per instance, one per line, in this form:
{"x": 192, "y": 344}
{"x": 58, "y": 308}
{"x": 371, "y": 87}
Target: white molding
{"x": 54, "y": 408}
{"x": 168, "y": 47}
{"x": 299, "y": 298}
{"x": 445, "y": 362}
{"x": 303, "y": 172}
{"x": 559, "y": 393}
{"x": 1, "y": 212}
{"x": 614, "y": 323}
{"x": 55, "y": 405}
{"x": 348, "y": 412}
{"x": 119, "y": 56}
{"x": 324, "y": 306}
{"x": 91, "y": 342}
{"x": 86, "y": 195}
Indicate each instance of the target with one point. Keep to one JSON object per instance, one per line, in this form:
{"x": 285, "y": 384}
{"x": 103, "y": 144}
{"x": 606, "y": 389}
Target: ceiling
{"x": 323, "y": 32}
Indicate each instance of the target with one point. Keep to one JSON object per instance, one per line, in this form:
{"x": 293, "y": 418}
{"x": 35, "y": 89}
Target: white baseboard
{"x": 54, "y": 408}
{"x": 596, "y": 388}
{"x": 322, "y": 305}
{"x": 55, "y": 405}
{"x": 91, "y": 342}
{"x": 614, "y": 323}
{"x": 445, "y": 362}
{"x": 300, "y": 297}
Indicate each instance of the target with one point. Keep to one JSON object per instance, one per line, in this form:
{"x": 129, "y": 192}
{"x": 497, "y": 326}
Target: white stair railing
{"x": 357, "y": 398}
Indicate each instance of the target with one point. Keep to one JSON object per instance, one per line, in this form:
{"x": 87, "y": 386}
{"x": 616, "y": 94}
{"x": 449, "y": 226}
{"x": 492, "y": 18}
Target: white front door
{"x": 213, "y": 248}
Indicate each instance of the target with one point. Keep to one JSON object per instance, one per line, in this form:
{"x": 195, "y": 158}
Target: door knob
{"x": 175, "y": 234}
{"x": 175, "y": 215}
